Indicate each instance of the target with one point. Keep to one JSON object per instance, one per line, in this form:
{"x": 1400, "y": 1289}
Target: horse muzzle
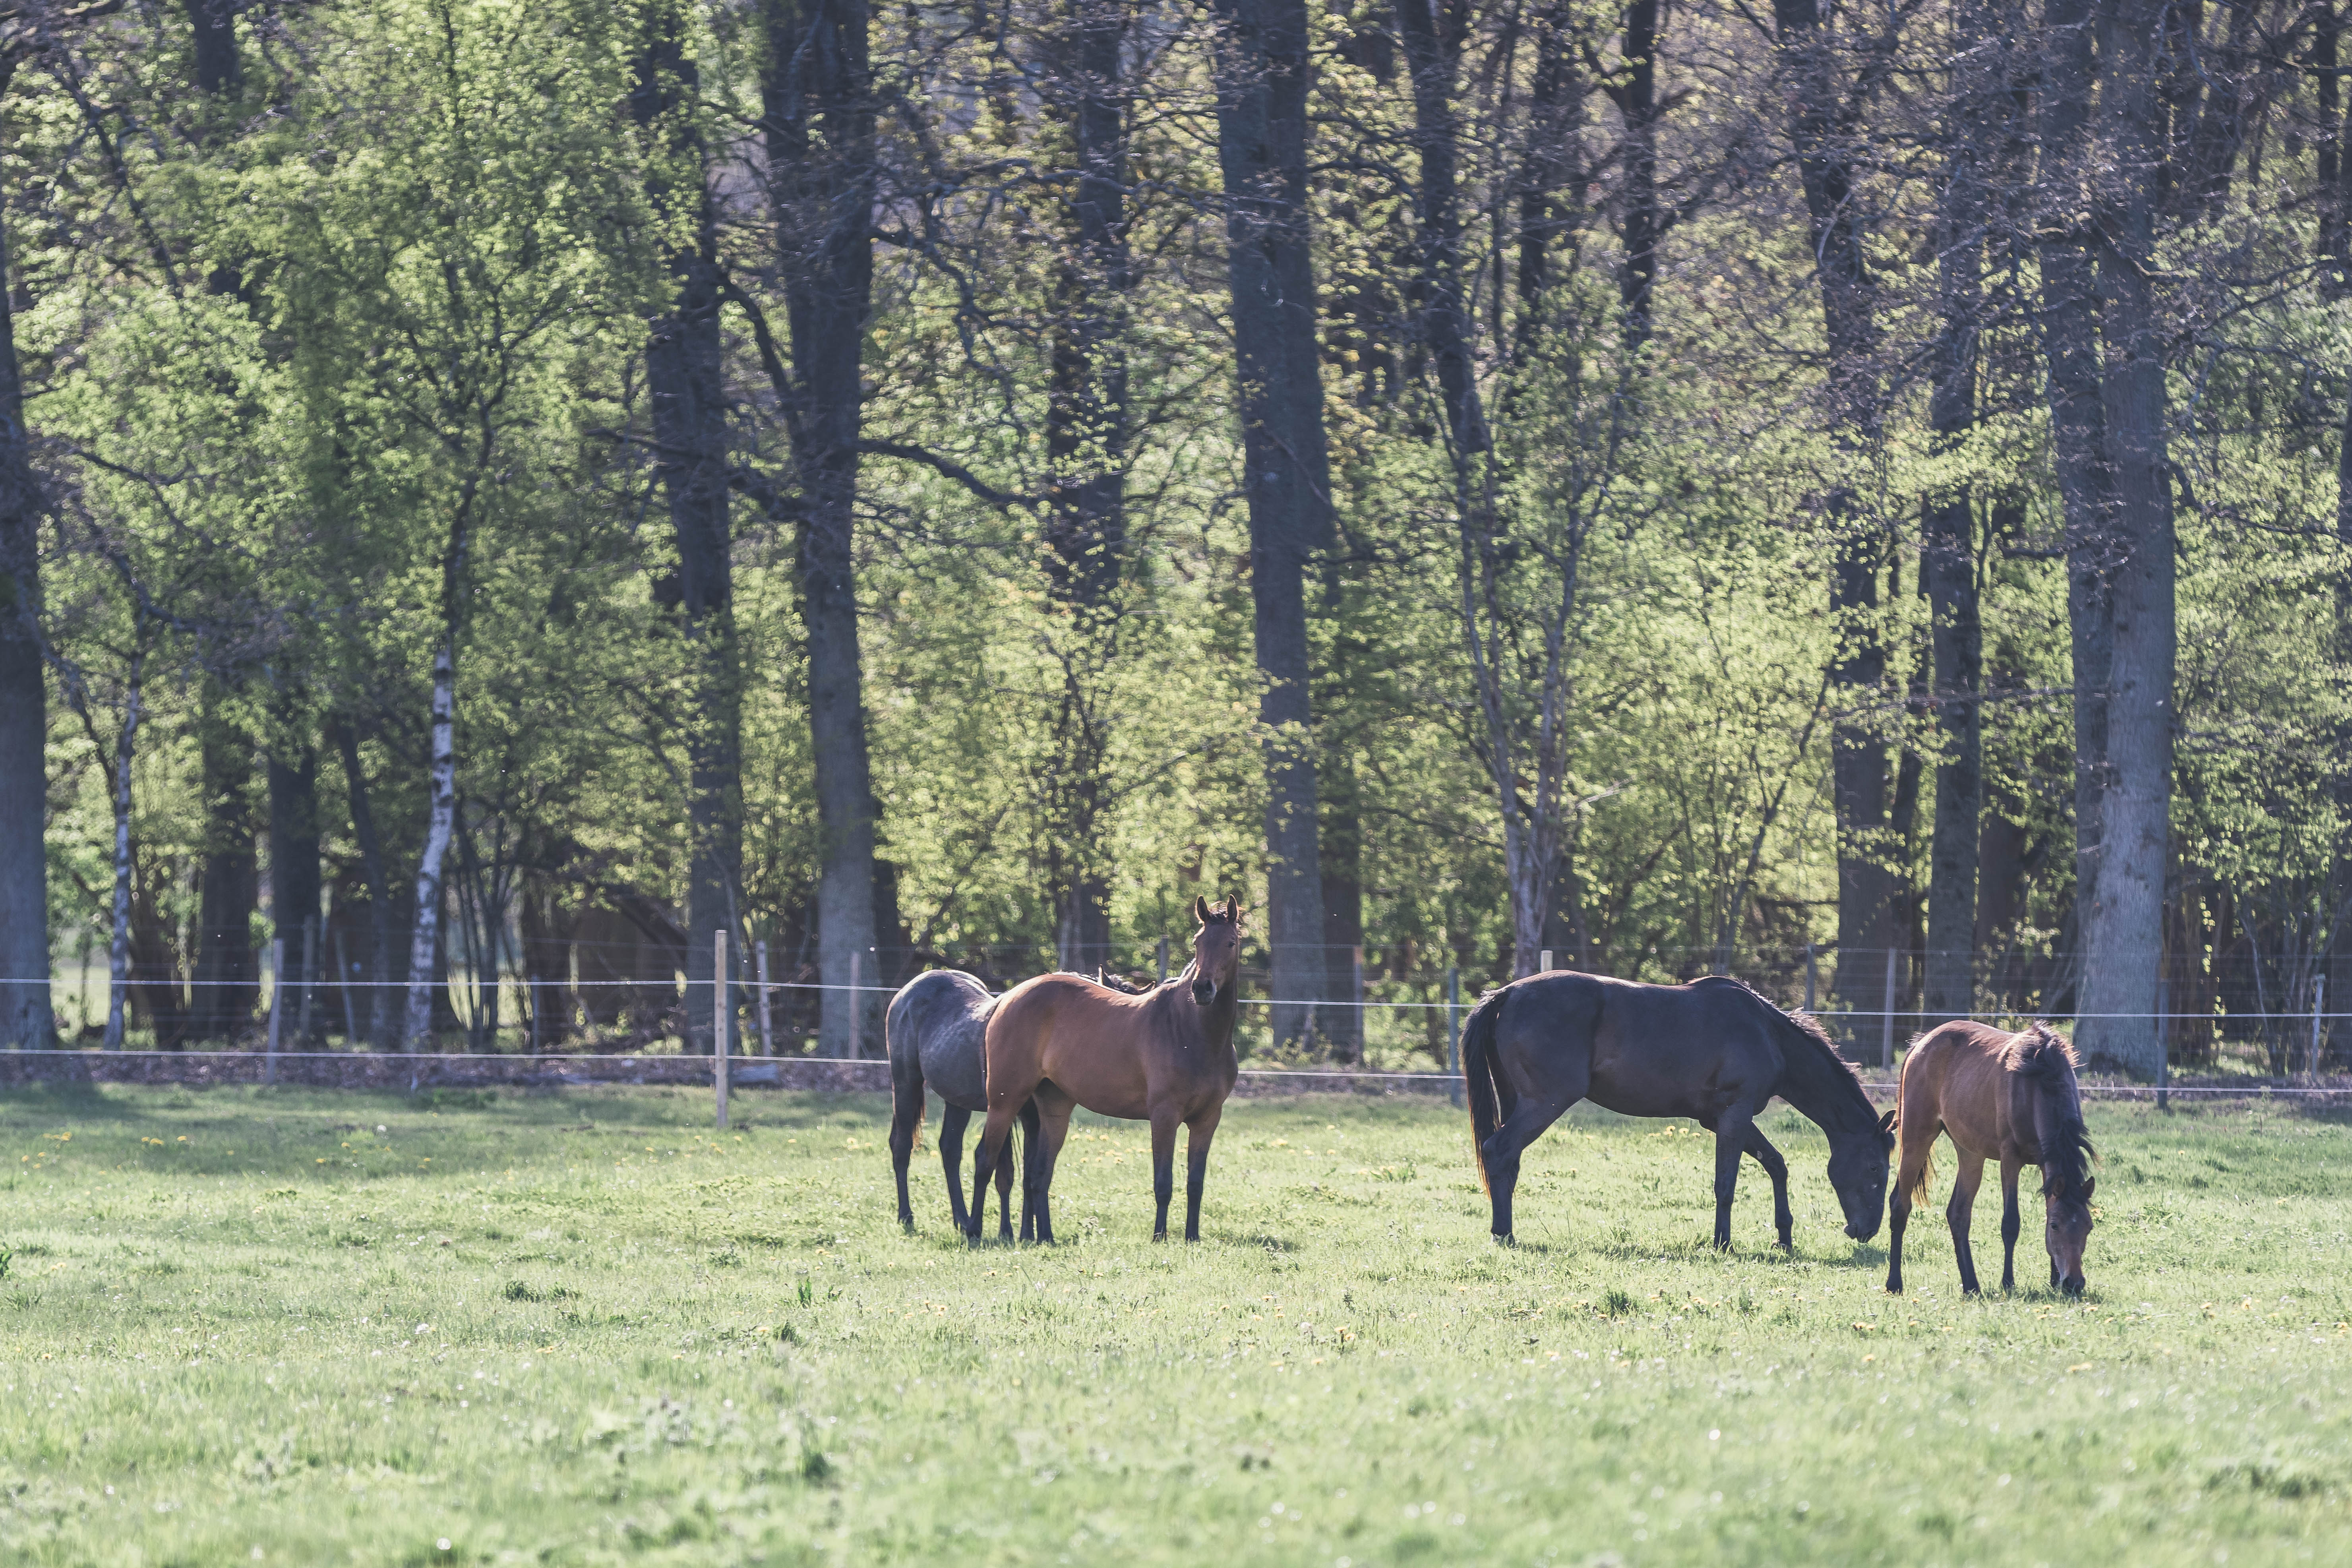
{"x": 2073, "y": 1287}
{"x": 1205, "y": 992}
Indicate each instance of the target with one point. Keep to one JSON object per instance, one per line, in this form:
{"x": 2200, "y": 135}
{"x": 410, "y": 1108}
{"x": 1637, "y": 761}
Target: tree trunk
{"x": 687, "y": 387}
{"x": 1343, "y": 902}
{"x": 424, "y": 974}
{"x": 1948, "y": 528}
{"x": 213, "y": 29}
{"x": 1636, "y": 97}
{"x": 228, "y": 971}
{"x": 294, "y": 881}
{"x": 1858, "y": 751}
{"x": 546, "y": 964}
{"x": 819, "y": 133}
{"x": 1262, "y": 68}
{"x": 26, "y": 1019}
{"x": 1085, "y": 443}
{"x": 382, "y": 927}
{"x": 2077, "y": 420}
{"x": 118, "y": 947}
{"x": 2124, "y": 935}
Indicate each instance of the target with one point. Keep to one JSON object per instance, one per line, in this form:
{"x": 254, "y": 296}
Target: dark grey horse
{"x": 933, "y": 1032}
{"x": 1712, "y": 1050}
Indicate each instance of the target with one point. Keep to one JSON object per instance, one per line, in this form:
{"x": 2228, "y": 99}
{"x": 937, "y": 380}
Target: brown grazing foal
{"x": 2010, "y": 1098}
{"x": 1164, "y": 1056}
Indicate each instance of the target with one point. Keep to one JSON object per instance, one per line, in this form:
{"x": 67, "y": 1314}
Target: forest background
{"x": 1854, "y": 497}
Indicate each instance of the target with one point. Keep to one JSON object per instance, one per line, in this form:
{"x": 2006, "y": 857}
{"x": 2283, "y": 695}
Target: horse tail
{"x": 1491, "y": 1099}
{"x": 1918, "y": 1191}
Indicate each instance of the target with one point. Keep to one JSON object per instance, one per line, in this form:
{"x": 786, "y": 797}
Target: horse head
{"x": 1858, "y": 1171}
{"x": 1216, "y": 947}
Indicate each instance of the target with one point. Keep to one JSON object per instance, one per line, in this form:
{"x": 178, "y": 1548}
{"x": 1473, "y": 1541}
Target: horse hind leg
{"x": 1500, "y": 1157}
{"x": 1730, "y": 1143}
{"x": 1004, "y": 1199}
{"x": 953, "y": 1119}
{"x": 1029, "y": 1146}
{"x": 906, "y": 1118}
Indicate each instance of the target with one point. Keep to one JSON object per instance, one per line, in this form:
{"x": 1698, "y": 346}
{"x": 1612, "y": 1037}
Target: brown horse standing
{"x": 2010, "y": 1098}
{"x": 1165, "y": 1056}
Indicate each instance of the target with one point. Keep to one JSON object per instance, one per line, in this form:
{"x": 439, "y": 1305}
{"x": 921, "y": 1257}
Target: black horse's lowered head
{"x": 1858, "y": 1163}
{"x": 1216, "y": 947}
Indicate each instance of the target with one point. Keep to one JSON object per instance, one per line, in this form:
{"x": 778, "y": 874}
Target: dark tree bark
{"x": 383, "y": 969}
{"x": 2122, "y": 933}
{"x": 294, "y": 881}
{"x": 2335, "y": 248}
{"x": 1553, "y": 178}
{"x": 2078, "y": 429}
{"x": 1849, "y": 318}
{"x": 1262, "y": 68}
{"x": 1948, "y": 530}
{"x": 818, "y": 128}
{"x": 1643, "y": 224}
{"x": 686, "y": 384}
{"x": 227, "y": 980}
{"x": 213, "y": 30}
{"x": 1086, "y": 447}
{"x": 546, "y": 963}
{"x": 1432, "y": 33}
{"x": 27, "y": 1021}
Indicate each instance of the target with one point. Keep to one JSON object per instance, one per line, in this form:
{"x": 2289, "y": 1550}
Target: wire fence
{"x": 1386, "y": 1007}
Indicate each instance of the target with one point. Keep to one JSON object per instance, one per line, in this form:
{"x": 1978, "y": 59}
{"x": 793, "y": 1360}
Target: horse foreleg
{"x": 1759, "y": 1148}
{"x": 1197, "y": 1135}
{"x": 953, "y": 1119}
{"x": 1163, "y": 1167}
{"x": 2008, "y": 1224}
{"x": 1958, "y": 1213}
{"x": 1730, "y": 1143}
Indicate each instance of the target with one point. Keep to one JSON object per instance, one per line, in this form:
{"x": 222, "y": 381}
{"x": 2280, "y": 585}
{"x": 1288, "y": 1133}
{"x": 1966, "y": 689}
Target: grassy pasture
{"x": 299, "y": 1327}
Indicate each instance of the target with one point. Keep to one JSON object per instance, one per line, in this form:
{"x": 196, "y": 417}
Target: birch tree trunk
{"x": 441, "y": 819}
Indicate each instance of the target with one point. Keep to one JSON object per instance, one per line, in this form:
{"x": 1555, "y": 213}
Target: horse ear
{"x": 2090, "y": 1185}
{"x": 1887, "y": 1122}
{"x": 1200, "y": 908}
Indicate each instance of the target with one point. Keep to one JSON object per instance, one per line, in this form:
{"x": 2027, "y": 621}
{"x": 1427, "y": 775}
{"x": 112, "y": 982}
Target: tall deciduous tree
{"x": 1263, "y": 67}
{"x": 818, "y": 133}
{"x": 685, "y": 382}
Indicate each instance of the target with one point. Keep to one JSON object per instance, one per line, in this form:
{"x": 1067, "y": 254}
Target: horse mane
{"x": 1111, "y": 980}
{"x": 2047, "y": 1063}
{"x": 1813, "y": 1059}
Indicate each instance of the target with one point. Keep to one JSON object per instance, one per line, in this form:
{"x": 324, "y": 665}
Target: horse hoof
{"x": 1504, "y": 1238}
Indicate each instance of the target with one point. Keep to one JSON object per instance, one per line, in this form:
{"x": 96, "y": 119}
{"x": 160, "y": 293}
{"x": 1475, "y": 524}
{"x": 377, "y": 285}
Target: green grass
{"x": 583, "y": 1329}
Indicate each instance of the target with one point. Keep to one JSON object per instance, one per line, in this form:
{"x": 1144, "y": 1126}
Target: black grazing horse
{"x": 1712, "y": 1050}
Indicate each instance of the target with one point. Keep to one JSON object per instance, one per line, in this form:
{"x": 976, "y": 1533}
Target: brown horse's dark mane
{"x": 2045, "y": 1060}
